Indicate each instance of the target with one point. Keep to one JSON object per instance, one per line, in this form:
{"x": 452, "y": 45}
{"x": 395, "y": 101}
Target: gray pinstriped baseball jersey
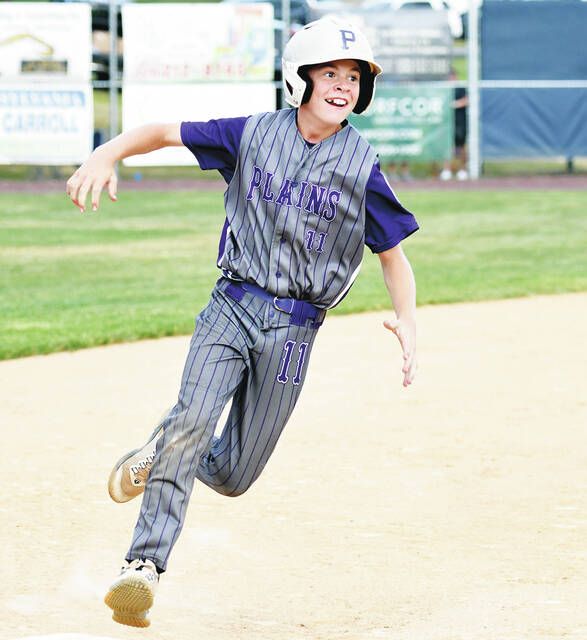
{"x": 296, "y": 214}
{"x": 296, "y": 227}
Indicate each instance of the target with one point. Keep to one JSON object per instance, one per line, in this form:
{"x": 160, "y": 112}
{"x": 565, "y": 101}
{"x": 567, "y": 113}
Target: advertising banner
{"x": 180, "y": 43}
{"x": 45, "y": 42}
{"x": 220, "y": 64}
{"x": 409, "y": 123}
{"x": 45, "y": 124}
{"x": 46, "y": 103}
{"x": 411, "y": 44}
{"x": 195, "y": 102}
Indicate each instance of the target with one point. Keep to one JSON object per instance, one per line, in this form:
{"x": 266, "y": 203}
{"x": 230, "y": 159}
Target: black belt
{"x": 299, "y": 311}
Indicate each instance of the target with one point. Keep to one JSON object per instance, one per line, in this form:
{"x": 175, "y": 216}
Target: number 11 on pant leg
{"x": 288, "y": 349}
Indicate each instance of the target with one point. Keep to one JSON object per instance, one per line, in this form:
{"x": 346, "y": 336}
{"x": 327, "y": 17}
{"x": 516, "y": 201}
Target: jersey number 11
{"x": 288, "y": 349}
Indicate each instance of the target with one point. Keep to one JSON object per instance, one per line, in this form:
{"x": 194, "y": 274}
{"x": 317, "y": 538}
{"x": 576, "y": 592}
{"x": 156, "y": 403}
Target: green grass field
{"x": 144, "y": 267}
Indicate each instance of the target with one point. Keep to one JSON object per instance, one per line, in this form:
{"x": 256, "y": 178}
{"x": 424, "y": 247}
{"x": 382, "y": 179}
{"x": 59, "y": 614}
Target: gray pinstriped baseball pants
{"x": 243, "y": 350}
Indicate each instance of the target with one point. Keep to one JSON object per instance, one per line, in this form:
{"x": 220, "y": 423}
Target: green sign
{"x": 409, "y": 123}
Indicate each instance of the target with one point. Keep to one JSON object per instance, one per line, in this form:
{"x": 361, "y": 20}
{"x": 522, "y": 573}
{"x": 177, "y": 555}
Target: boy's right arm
{"x": 98, "y": 170}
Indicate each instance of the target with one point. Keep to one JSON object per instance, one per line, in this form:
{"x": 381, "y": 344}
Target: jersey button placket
{"x": 273, "y": 266}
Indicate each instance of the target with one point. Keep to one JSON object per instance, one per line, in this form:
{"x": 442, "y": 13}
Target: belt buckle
{"x": 276, "y": 300}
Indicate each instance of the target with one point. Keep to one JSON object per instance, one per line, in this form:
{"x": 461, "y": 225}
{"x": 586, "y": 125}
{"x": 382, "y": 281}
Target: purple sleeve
{"x": 215, "y": 143}
{"x": 387, "y": 221}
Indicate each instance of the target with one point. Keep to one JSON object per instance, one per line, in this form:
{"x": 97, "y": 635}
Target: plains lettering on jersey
{"x": 297, "y": 216}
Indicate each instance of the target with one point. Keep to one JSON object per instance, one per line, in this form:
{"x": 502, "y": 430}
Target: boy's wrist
{"x": 108, "y": 152}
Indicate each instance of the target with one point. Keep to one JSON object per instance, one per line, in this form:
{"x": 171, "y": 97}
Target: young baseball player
{"x": 305, "y": 194}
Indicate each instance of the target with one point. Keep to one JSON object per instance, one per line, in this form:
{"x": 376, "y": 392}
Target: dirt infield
{"x": 453, "y": 510}
{"x": 576, "y": 182}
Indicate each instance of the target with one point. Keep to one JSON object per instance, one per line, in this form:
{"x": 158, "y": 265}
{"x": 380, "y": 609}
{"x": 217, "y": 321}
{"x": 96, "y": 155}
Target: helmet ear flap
{"x": 305, "y": 76}
{"x": 366, "y": 87}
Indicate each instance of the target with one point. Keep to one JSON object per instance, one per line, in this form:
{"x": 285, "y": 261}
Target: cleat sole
{"x": 132, "y": 597}
{"x": 131, "y": 620}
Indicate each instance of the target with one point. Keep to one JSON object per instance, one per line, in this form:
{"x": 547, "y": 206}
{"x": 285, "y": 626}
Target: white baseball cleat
{"x": 132, "y": 594}
{"x": 129, "y": 476}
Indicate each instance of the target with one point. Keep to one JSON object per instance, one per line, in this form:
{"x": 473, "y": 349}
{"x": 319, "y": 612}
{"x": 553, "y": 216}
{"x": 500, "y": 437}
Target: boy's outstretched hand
{"x": 95, "y": 173}
{"x": 406, "y": 334}
{"x": 98, "y": 171}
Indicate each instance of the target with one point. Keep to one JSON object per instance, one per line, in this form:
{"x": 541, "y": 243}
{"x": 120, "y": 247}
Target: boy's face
{"x": 336, "y": 90}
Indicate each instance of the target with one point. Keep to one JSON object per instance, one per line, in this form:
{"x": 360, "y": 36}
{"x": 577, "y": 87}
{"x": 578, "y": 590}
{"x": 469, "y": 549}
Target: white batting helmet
{"x": 322, "y": 41}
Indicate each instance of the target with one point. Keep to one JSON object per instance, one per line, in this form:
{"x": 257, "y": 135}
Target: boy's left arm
{"x": 400, "y": 282}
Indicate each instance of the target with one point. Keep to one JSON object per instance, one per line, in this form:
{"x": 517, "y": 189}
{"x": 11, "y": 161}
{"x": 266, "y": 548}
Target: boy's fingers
{"x": 72, "y": 188}
{"x": 83, "y": 194}
{"x": 96, "y": 191}
{"x": 402, "y": 340}
{"x": 412, "y": 371}
{"x": 113, "y": 187}
{"x": 408, "y": 350}
{"x": 408, "y": 362}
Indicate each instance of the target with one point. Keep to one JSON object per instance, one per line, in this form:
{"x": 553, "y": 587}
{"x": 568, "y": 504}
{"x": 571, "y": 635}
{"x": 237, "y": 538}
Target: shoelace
{"x": 137, "y": 565}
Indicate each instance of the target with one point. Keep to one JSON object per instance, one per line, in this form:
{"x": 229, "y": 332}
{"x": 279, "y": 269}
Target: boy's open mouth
{"x": 337, "y": 102}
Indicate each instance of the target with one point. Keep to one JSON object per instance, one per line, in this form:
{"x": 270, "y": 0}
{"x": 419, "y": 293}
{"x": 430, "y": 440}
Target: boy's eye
{"x": 332, "y": 74}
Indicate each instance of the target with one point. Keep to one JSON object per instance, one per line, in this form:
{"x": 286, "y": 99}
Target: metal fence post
{"x": 113, "y": 67}
{"x": 285, "y": 19}
{"x": 473, "y": 92}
